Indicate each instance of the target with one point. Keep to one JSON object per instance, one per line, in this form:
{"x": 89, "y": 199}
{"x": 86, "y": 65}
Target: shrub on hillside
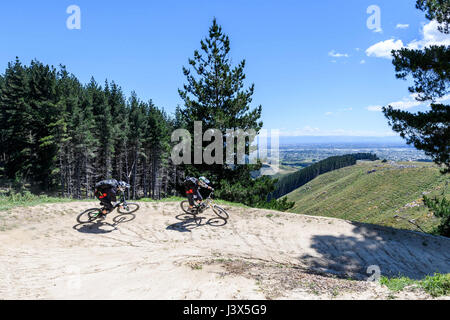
{"x": 441, "y": 209}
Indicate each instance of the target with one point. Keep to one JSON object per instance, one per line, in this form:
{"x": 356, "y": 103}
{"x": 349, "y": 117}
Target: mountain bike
{"x": 206, "y": 204}
{"x": 93, "y": 214}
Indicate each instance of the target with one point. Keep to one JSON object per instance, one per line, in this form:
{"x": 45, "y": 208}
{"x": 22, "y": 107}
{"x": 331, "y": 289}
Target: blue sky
{"x": 317, "y": 68}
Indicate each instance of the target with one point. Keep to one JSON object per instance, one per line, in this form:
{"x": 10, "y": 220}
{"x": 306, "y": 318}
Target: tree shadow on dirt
{"x": 99, "y": 226}
{"x": 392, "y": 251}
{"x": 189, "y": 222}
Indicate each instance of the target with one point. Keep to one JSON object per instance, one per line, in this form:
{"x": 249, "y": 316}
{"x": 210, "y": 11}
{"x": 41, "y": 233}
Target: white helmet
{"x": 204, "y": 180}
{"x": 123, "y": 185}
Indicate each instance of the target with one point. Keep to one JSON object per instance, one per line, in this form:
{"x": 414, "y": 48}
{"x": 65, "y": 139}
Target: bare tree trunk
{"x": 61, "y": 174}
{"x": 86, "y": 167}
{"x": 108, "y": 166}
{"x": 134, "y": 173}
{"x": 144, "y": 177}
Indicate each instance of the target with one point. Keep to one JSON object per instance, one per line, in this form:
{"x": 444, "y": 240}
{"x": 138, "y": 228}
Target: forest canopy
{"x": 60, "y": 135}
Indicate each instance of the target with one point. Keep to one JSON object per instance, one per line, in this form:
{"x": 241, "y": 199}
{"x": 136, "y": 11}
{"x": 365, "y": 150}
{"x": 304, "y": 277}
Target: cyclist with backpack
{"x": 106, "y": 191}
{"x": 192, "y": 186}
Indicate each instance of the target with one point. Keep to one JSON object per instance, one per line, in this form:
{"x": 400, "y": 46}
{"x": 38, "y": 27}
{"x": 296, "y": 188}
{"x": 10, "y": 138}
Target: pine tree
{"x": 69, "y": 92}
{"x": 2, "y": 131}
{"x": 137, "y": 122}
{"x": 429, "y": 67}
{"x": 42, "y": 99}
{"x": 16, "y": 120}
{"x": 157, "y": 143}
{"x": 119, "y": 116}
{"x": 215, "y": 95}
{"x": 60, "y": 135}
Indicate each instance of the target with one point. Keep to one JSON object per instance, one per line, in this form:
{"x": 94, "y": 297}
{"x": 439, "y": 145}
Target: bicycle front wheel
{"x": 128, "y": 207}
{"x": 220, "y": 212}
{"x": 89, "y": 215}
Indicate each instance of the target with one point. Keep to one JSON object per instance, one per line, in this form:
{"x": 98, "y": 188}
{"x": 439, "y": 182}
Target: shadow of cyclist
{"x": 95, "y": 227}
{"x": 190, "y": 222}
{"x": 99, "y": 226}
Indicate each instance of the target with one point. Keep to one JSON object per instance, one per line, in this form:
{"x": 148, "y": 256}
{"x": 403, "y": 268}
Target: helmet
{"x": 123, "y": 185}
{"x": 204, "y": 180}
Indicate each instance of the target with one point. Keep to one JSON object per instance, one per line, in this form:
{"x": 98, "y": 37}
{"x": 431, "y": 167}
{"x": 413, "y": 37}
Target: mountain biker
{"x": 106, "y": 191}
{"x": 192, "y": 186}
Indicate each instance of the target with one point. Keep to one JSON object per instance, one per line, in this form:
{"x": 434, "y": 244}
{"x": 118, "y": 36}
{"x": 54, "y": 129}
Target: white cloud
{"x": 443, "y": 99}
{"x": 334, "y": 54}
{"x": 374, "y": 108}
{"x": 362, "y": 61}
{"x": 383, "y": 49}
{"x": 408, "y": 103}
{"x": 430, "y": 36}
{"x": 329, "y": 113}
{"x": 405, "y": 103}
{"x": 402, "y": 26}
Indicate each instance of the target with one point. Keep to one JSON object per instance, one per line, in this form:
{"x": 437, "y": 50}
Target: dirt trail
{"x": 161, "y": 254}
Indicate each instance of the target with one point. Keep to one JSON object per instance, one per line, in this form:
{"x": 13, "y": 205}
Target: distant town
{"x": 302, "y": 155}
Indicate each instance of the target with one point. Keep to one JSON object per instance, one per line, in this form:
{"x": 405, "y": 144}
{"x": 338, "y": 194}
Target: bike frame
{"x": 208, "y": 201}
{"x": 123, "y": 201}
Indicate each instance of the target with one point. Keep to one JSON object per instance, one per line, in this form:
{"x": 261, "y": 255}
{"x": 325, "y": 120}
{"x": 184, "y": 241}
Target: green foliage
{"x": 58, "y": 134}
{"x": 280, "y": 205}
{"x": 436, "y": 285}
{"x": 438, "y": 10}
{"x": 16, "y": 117}
{"x": 294, "y": 180}
{"x": 428, "y": 131}
{"x": 168, "y": 199}
{"x": 397, "y": 284}
{"x": 214, "y": 94}
{"x": 441, "y": 209}
{"x": 12, "y": 199}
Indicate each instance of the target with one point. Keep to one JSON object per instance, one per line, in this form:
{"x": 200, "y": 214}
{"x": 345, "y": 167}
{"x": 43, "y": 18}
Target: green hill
{"x": 373, "y": 192}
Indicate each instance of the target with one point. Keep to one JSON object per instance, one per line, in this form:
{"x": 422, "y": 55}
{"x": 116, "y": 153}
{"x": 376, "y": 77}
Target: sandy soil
{"x": 163, "y": 254}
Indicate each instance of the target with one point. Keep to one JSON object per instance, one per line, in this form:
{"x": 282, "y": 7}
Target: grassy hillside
{"x": 373, "y": 192}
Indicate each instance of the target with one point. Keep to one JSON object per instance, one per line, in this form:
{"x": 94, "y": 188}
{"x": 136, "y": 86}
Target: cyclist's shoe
{"x": 103, "y": 214}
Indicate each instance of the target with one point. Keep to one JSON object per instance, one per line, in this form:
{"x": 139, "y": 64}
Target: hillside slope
{"x": 161, "y": 254}
{"x": 373, "y": 192}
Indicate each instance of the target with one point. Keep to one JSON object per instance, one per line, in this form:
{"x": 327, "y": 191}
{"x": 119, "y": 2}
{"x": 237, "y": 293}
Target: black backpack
{"x": 190, "y": 182}
{"x": 106, "y": 184}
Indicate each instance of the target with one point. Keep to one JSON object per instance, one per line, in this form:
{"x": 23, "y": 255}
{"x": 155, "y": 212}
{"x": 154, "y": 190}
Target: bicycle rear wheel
{"x": 220, "y": 212}
{"x": 185, "y": 207}
{"x": 89, "y": 215}
{"x": 128, "y": 207}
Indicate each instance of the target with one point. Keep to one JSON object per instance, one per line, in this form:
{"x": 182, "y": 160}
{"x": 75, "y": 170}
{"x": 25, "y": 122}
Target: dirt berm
{"x": 162, "y": 254}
